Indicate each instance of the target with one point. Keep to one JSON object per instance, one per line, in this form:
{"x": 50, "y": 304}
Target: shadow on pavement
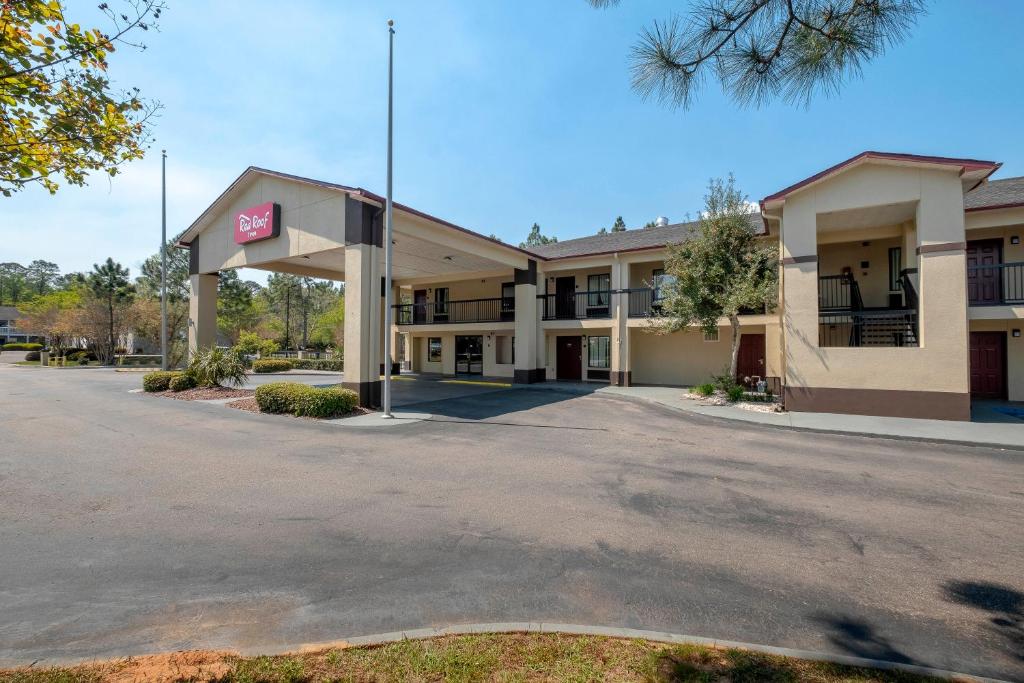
{"x": 1004, "y": 604}
{"x": 492, "y": 404}
{"x": 857, "y": 637}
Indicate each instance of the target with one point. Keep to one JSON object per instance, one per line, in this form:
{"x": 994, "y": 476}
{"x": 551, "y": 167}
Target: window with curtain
{"x": 599, "y": 287}
{"x": 599, "y": 352}
{"x": 434, "y": 349}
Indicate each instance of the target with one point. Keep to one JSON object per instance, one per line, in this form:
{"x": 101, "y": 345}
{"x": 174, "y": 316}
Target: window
{"x": 895, "y": 261}
{"x": 660, "y": 282}
{"x": 711, "y": 336}
{"x": 599, "y": 287}
{"x": 599, "y": 352}
{"x": 434, "y": 349}
{"x": 508, "y": 300}
{"x": 504, "y": 350}
{"x": 441, "y": 301}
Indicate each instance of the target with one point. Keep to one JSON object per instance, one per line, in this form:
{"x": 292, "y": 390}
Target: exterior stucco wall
{"x": 681, "y": 358}
{"x": 1014, "y": 353}
{"x": 873, "y": 280}
{"x": 491, "y": 367}
{"x": 941, "y": 362}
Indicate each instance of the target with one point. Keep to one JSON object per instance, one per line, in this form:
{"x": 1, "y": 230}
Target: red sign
{"x": 258, "y": 223}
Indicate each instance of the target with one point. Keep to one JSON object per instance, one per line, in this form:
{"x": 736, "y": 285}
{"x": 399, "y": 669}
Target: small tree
{"x": 721, "y": 270}
{"x": 109, "y": 284}
{"x": 619, "y": 225}
{"x": 536, "y": 239}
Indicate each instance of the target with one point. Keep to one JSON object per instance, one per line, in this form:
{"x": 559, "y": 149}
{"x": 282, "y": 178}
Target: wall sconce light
{"x": 1015, "y": 239}
{"x": 865, "y": 264}
{"x": 1016, "y": 333}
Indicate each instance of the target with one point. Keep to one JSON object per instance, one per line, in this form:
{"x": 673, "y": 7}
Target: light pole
{"x": 388, "y": 228}
{"x": 163, "y": 259}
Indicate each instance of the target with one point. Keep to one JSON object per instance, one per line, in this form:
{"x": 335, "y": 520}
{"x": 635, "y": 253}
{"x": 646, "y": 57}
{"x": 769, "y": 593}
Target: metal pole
{"x": 163, "y": 259}
{"x": 388, "y": 228}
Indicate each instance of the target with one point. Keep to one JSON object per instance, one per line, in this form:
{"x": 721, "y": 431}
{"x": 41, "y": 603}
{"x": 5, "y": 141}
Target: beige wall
{"x": 476, "y": 288}
{"x": 642, "y": 274}
{"x": 1012, "y": 253}
{"x": 873, "y": 280}
{"x": 940, "y": 364}
{"x": 447, "y": 365}
{"x": 680, "y": 358}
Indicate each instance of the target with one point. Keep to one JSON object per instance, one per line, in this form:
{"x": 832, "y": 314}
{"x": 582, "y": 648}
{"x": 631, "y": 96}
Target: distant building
{"x": 8, "y": 332}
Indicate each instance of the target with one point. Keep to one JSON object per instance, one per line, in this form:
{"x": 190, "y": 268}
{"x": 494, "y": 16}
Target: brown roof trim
{"x": 944, "y": 246}
{"x": 792, "y": 260}
{"x": 965, "y": 164}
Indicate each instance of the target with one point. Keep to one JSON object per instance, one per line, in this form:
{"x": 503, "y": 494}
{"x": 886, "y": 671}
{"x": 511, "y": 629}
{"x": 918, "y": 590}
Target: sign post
{"x": 388, "y": 229}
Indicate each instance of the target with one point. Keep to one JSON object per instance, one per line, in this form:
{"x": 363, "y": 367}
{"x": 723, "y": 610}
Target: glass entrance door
{"x": 469, "y": 355}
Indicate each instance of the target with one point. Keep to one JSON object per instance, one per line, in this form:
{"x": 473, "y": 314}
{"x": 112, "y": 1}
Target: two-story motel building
{"x": 901, "y": 289}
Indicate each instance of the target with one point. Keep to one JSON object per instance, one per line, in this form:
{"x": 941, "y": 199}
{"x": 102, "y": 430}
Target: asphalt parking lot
{"x": 132, "y": 524}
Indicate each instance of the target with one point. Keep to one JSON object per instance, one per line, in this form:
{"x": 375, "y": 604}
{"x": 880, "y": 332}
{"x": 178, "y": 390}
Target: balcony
{"x": 997, "y": 284}
{"x": 843, "y": 320}
{"x": 576, "y": 305}
{"x": 453, "y": 312}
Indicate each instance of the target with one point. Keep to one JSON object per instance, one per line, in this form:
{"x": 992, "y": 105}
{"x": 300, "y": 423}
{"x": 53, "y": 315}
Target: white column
{"x": 362, "y": 323}
{"x": 528, "y": 369}
{"x": 202, "y": 311}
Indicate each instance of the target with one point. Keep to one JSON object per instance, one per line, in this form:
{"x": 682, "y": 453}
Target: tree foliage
{"x": 536, "y": 239}
{"x": 721, "y": 270}
{"x": 60, "y": 116}
{"x": 111, "y": 289}
{"x": 760, "y": 50}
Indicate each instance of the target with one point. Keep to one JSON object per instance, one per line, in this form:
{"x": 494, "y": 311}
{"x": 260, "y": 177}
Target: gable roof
{"x": 628, "y": 240}
{"x": 996, "y": 194}
{"x": 968, "y": 167}
{"x": 9, "y": 313}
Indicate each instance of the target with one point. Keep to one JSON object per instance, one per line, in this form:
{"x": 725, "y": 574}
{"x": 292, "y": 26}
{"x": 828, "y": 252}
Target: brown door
{"x": 419, "y": 306}
{"x": 983, "y": 284}
{"x": 751, "y": 357}
{"x": 988, "y": 365}
{"x": 569, "y": 358}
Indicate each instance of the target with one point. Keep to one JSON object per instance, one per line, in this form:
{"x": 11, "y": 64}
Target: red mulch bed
{"x": 207, "y": 393}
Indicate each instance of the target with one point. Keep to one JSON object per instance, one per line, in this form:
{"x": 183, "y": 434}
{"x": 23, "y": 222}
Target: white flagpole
{"x": 163, "y": 259}
{"x": 388, "y": 228}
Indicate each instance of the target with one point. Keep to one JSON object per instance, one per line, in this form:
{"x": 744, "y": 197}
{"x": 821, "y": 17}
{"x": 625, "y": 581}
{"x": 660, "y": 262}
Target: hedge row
{"x": 21, "y": 346}
{"x": 318, "y": 364}
{"x": 162, "y": 380}
{"x": 264, "y": 365}
{"x": 305, "y": 400}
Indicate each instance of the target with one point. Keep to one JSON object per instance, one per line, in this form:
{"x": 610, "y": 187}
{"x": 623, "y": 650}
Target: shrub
{"x": 159, "y": 380}
{"x": 265, "y": 365}
{"x": 22, "y": 346}
{"x": 734, "y": 393}
{"x": 250, "y": 343}
{"x": 704, "y": 389}
{"x": 304, "y": 400}
{"x": 325, "y": 402}
{"x": 32, "y": 355}
{"x": 215, "y": 366}
{"x": 331, "y": 365}
{"x": 83, "y": 361}
{"x": 181, "y": 382}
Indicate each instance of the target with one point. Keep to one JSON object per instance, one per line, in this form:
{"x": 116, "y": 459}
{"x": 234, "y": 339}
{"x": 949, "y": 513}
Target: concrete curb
{"x": 612, "y": 632}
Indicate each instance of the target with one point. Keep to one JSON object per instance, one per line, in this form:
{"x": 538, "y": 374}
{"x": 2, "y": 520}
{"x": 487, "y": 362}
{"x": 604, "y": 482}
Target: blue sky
{"x": 507, "y": 113}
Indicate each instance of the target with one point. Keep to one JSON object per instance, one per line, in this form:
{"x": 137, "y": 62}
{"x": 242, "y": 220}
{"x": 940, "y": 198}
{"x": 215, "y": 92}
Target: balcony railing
{"x": 461, "y": 311}
{"x": 886, "y": 327}
{"x": 643, "y": 302}
{"x": 576, "y": 305}
{"x": 995, "y": 284}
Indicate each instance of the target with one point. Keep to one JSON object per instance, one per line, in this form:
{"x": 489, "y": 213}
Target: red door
{"x": 988, "y": 365}
{"x": 569, "y": 358}
{"x": 983, "y": 284}
{"x": 751, "y": 357}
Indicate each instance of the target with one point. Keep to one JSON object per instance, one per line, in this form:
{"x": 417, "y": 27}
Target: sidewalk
{"x": 988, "y": 428}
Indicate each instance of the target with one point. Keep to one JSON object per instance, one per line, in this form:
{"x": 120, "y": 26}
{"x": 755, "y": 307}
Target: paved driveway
{"x": 130, "y": 523}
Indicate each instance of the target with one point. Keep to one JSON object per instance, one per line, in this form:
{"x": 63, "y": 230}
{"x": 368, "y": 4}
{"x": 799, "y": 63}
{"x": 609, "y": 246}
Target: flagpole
{"x": 388, "y": 228}
{"x": 163, "y": 259}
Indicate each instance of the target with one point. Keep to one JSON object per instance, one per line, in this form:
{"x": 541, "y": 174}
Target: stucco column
{"x": 528, "y": 369}
{"x": 202, "y": 311}
{"x": 362, "y": 302}
{"x": 621, "y": 374}
{"x": 395, "y": 362}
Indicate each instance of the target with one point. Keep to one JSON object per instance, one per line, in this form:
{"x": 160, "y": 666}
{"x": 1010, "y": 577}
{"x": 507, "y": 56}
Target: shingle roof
{"x": 628, "y": 240}
{"x": 996, "y": 193}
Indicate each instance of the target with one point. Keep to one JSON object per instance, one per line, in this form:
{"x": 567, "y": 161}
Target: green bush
{"x": 159, "y": 380}
{"x": 332, "y": 365}
{"x": 32, "y": 355}
{"x": 704, "y": 389}
{"x": 734, "y": 393}
{"x": 22, "y": 346}
{"x": 250, "y": 343}
{"x": 304, "y": 400}
{"x": 215, "y": 366}
{"x": 182, "y": 382}
{"x": 265, "y": 365}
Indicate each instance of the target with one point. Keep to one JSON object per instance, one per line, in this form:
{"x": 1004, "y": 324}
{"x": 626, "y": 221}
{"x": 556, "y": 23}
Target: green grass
{"x": 490, "y": 657}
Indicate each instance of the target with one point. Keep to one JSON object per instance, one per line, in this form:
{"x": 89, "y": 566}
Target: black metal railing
{"x": 459, "y": 311}
{"x": 643, "y": 302}
{"x": 838, "y": 293}
{"x": 576, "y": 305}
{"x": 881, "y": 328}
{"x": 995, "y": 284}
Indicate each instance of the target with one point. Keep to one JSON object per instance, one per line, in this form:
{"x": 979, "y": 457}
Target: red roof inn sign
{"x": 258, "y": 223}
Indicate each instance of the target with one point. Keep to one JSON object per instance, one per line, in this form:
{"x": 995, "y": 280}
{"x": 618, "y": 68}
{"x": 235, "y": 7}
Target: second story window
{"x": 599, "y": 288}
{"x": 660, "y": 281}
